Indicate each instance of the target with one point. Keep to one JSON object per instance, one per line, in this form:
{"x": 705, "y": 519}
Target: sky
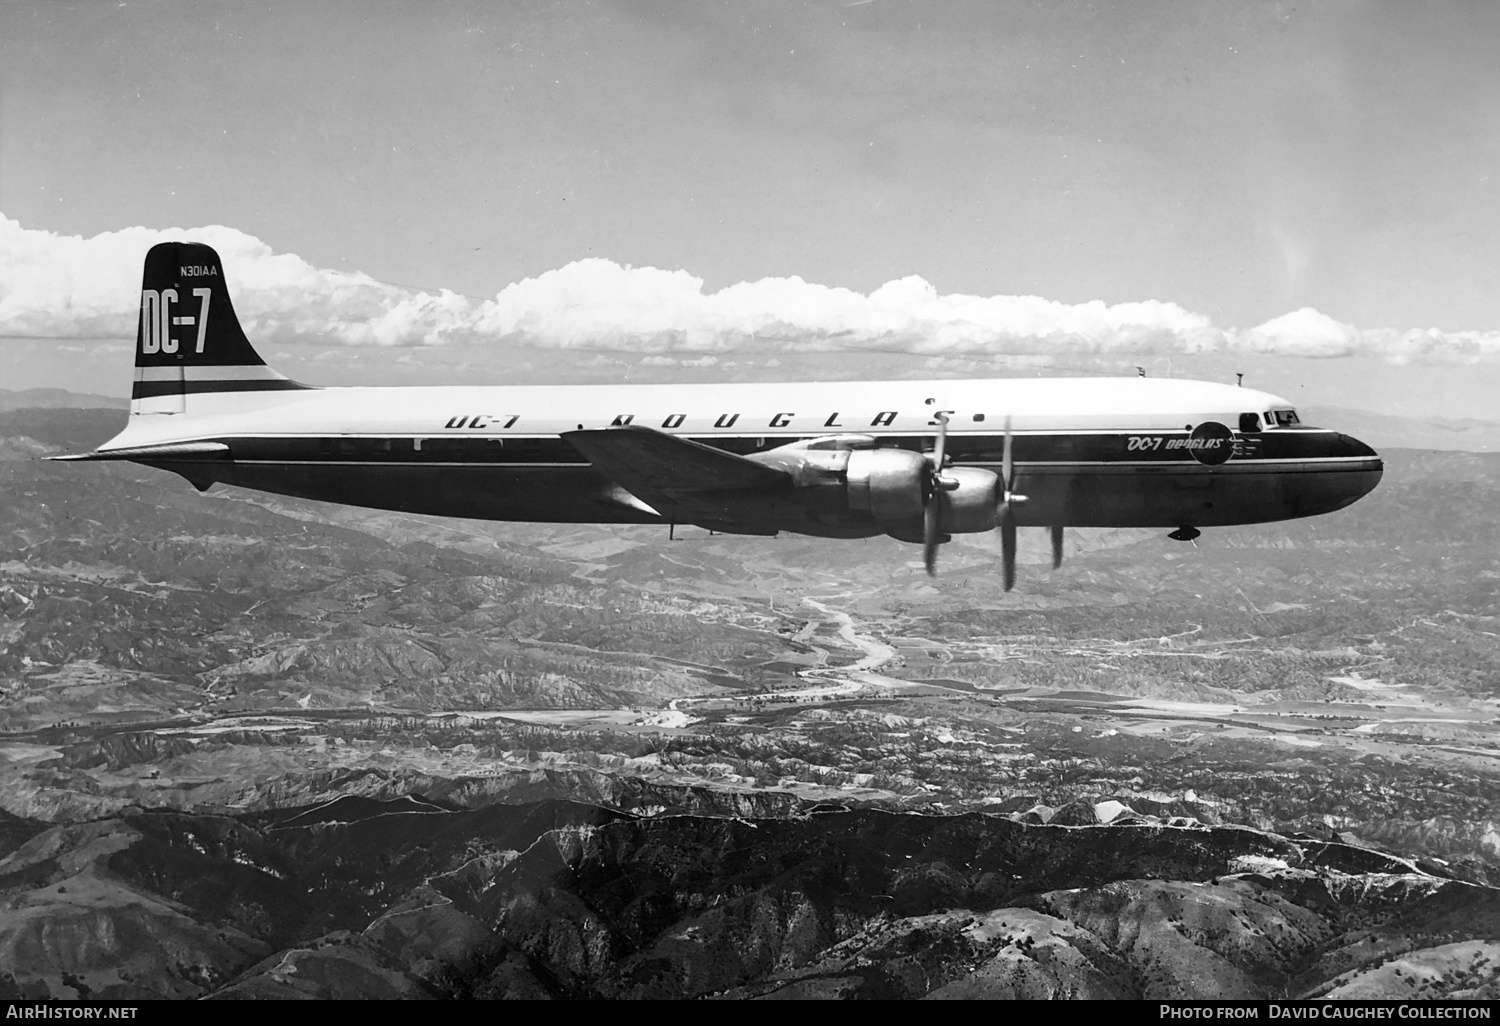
{"x": 467, "y": 192}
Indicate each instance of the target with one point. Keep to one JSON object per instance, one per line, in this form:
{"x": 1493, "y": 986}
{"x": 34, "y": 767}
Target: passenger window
{"x": 325, "y": 446}
{"x": 346, "y": 447}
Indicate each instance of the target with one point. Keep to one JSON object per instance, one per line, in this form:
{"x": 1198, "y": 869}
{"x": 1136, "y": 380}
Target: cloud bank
{"x": 58, "y": 286}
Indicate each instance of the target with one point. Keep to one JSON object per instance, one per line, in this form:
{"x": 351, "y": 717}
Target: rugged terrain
{"x": 253, "y": 746}
{"x": 413, "y": 898}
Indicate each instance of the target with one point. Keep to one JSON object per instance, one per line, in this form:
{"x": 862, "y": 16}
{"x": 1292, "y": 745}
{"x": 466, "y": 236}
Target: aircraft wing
{"x": 677, "y": 477}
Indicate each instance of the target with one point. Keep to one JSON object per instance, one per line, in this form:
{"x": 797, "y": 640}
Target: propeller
{"x": 1005, "y": 512}
{"x": 1009, "y": 500}
{"x": 932, "y": 527}
{"x": 1057, "y": 545}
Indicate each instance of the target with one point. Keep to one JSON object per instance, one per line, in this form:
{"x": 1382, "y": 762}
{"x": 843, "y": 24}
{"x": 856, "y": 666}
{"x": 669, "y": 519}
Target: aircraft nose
{"x": 1348, "y": 445}
{"x": 1358, "y": 476}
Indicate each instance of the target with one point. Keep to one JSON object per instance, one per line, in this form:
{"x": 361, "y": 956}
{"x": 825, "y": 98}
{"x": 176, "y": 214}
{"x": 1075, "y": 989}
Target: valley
{"x": 1289, "y": 731}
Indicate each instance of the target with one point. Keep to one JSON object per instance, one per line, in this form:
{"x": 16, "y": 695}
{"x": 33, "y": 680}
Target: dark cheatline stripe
{"x": 1040, "y": 454}
{"x": 1059, "y": 455}
{"x": 152, "y": 389}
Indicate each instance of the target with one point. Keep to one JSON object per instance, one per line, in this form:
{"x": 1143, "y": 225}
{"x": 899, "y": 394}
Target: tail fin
{"x": 188, "y": 341}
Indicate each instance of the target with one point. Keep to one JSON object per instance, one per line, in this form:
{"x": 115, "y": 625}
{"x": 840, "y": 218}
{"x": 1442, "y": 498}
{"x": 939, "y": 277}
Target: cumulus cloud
{"x": 66, "y": 286}
{"x": 1304, "y": 332}
{"x": 57, "y": 286}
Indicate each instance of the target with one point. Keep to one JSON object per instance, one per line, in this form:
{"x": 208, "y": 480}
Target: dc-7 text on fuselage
{"x": 917, "y": 460}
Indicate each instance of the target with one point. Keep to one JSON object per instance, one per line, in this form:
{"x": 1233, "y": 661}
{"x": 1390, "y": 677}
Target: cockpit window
{"x": 1281, "y": 418}
{"x": 1249, "y": 422}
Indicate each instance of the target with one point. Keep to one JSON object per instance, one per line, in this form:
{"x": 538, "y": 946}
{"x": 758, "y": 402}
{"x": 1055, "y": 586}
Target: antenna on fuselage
{"x": 1140, "y": 372}
{"x": 1239, "y": 378}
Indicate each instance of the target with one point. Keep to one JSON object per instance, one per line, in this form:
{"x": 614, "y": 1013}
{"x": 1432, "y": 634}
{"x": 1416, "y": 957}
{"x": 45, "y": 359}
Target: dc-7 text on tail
{"x": 917, "y": 460}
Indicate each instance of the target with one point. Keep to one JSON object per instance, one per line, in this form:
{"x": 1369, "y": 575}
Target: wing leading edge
{"x": 681, "y": 479}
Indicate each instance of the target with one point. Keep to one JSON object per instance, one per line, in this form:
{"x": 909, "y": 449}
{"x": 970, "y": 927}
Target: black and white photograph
{"x": 751, "y": 499}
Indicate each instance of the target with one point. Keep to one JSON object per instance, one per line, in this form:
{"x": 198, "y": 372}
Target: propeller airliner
{"x": 920, "y": 461}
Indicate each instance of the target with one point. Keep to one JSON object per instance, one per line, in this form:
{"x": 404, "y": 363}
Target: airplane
{"x": 920, "y": 461}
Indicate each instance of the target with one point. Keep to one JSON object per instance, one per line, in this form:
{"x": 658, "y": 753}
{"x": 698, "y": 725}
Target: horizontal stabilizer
{"x": 169, "y": 451}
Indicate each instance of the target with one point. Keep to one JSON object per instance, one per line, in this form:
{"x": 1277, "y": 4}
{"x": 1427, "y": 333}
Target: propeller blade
{"x": 1057, "y": 545}
{"x": 1008, "y": 544}
{"x": 930, "y": 529}
{"x": 942, "y": 444}
{"x": 1007, "y": 464}
{"x": 932, "y": 510}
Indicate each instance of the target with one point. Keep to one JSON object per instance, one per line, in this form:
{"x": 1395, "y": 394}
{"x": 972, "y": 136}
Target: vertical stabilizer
{"x": 189, "y": 345}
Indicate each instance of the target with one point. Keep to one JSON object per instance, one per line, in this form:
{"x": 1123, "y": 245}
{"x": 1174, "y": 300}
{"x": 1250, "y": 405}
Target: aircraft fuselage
{"x": 1089, "y": 452}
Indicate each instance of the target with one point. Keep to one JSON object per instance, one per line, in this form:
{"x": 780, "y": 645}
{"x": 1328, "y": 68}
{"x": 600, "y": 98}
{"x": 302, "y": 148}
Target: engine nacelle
{"x": 887, "y": 483}
{"x": 971, "y": 506}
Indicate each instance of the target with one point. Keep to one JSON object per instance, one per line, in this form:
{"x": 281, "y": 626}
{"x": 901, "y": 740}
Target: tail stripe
{"x": 152, "y": 389}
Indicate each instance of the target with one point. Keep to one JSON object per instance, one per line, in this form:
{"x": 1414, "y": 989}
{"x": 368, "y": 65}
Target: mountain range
{"x": 255, "y": 747}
